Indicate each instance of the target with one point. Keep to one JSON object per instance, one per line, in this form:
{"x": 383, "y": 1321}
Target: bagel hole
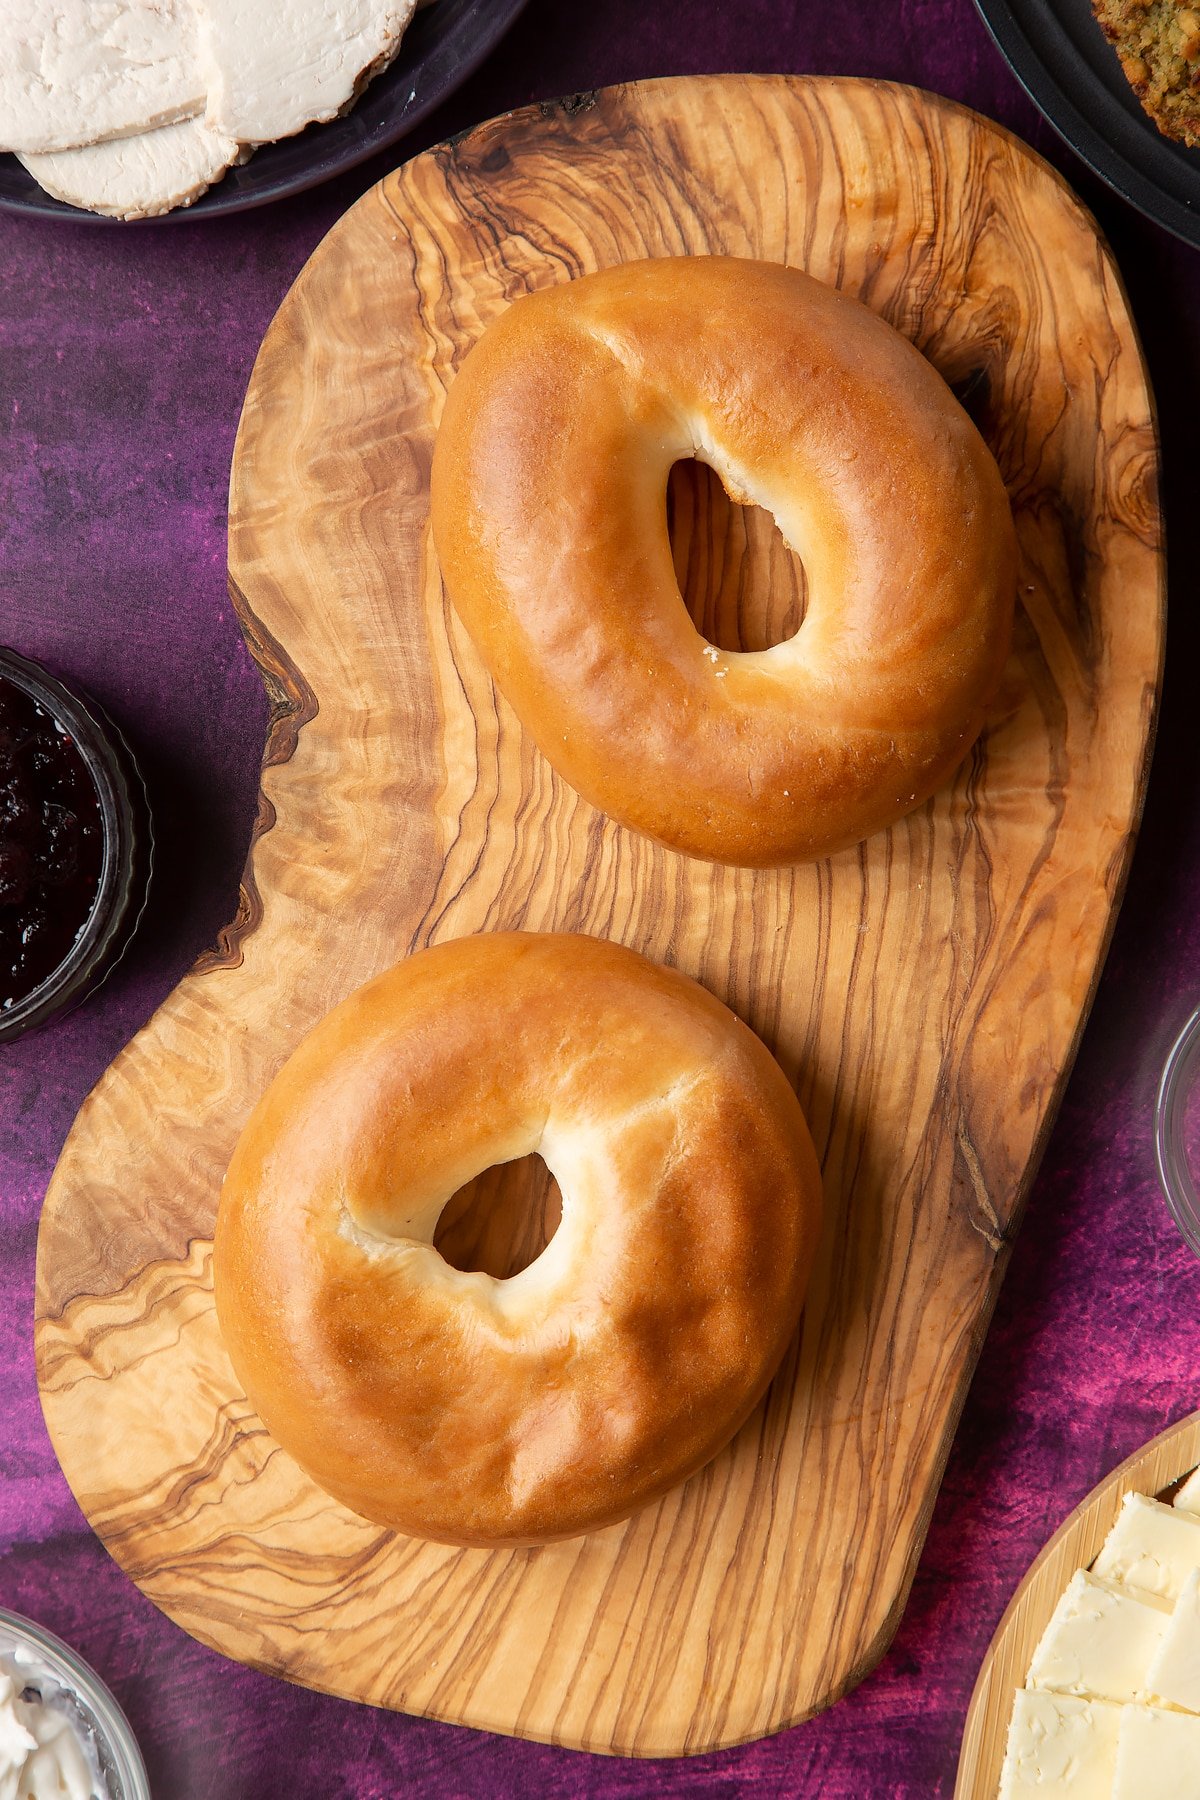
{"x": 502, "y": 1220}
{"x": 743, "y": 587}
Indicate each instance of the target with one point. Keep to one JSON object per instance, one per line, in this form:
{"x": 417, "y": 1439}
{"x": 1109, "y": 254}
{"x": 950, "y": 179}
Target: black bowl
{"x": 1070, "y": 71}
{"x": 444, "y": 44}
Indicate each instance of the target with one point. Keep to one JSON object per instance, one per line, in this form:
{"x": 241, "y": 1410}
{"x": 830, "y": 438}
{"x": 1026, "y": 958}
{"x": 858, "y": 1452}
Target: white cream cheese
{"x": 1158, "y": 1755}
{"x": 1151, "y": 1546}
{"x": 1100, "y": 1641}
{"x": 1174, "y": 1674}
{"x": 1060, "y": 1748}
{"x": 44, "y": 1754}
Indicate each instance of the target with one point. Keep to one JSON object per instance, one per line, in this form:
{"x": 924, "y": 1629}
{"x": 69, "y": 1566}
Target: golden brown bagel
{"x": 475, "y": 1411}
{"x": 549, "y": 518}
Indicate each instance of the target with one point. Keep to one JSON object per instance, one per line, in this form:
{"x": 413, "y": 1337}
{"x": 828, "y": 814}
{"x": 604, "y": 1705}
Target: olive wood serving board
{"x": 924, "y": 992}
{"x": 1156, "y": 1469}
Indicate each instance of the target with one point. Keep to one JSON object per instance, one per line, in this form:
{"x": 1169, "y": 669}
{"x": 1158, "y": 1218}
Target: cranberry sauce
{"x": 51, "y": 844}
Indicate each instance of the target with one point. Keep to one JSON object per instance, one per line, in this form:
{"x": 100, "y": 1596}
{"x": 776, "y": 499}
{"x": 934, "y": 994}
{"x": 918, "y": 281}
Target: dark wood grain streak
{"x": 292, "y": 704}
{"x": 923, "y": 992}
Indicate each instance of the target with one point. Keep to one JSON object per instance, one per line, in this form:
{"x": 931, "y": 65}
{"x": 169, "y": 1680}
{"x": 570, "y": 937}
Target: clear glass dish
{"x": 1177, "y": 1131}
{"x": 109, "y": 919}
{"x": 101, "y": 1718}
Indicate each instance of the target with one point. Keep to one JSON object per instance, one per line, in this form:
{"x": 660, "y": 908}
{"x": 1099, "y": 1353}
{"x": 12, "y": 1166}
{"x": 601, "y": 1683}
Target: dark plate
{"x": 444, "y": 44}
{"x": 1061, "y": 58}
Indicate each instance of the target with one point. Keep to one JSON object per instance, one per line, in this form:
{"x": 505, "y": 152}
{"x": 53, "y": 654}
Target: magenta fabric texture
{"x": 124, "y": 358}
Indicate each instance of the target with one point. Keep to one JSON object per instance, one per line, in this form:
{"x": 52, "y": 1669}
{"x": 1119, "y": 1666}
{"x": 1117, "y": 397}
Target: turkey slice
{"x": 269, "y": 83}
{"x": 76, "y": 71}
{"x": 138, "y": 177}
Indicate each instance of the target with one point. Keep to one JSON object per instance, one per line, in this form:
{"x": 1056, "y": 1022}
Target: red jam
{"x": 51, "y": 844}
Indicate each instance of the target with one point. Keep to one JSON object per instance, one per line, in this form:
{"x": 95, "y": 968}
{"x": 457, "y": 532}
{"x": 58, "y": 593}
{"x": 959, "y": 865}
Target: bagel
{"x": 453, "y": 1406}
{"x": 549, "y": 519}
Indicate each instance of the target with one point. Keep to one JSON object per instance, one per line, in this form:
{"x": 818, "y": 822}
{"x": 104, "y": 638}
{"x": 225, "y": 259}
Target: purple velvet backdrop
{"x": 125, "y": 355}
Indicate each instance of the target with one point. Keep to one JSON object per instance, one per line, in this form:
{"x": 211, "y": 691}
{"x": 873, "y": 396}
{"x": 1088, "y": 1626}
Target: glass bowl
{"x": 118, "y": 792}
{"x": 49, "y": 1661}
{"x": 1177, "y": 1131}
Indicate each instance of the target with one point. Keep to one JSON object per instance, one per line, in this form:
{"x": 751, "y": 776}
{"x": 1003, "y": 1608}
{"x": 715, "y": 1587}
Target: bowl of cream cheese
{"x": 62, "y": 1735}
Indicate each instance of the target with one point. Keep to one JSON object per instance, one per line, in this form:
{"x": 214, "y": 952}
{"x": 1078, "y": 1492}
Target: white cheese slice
{"x": 1151, "y": 1546}
{"x": 1188, "y": 1497}
{"x": 1174, "y": 1672}
{"x": 1100, "y": 1641}
{"x": 1158, "y": 1755}
{"x": 272, "y": 79}
{"x": 138, "y": 177}
{"x": 78, "y": 71}
{"x": 1060, "y": 1748}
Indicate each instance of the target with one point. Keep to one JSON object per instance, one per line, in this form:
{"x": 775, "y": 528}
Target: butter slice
{"x": 1060, "y": 1747}
{"x": 1188, "y": 1497}
{"x": 1151, "y": 1546}
{"x": 1100, "y": 1641}
{"x": 1174, "y": 1673}
{"x": 1158, "y": 1755}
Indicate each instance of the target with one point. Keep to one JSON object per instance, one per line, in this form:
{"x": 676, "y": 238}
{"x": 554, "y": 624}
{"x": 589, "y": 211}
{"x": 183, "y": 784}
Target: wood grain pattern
{"x": 924, "y": 992}
{"x": 1156, "y": 1469}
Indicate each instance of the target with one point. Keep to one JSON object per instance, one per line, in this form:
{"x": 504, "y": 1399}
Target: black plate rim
{"x": 1061, "y": 111}
{"x": 498, "y": 16}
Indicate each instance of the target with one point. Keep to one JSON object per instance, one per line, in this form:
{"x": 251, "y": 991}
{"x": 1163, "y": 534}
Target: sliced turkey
{"x": 309, "y": 65}
{"x": 138, "y": 177}
{"x": 78, "y": 71}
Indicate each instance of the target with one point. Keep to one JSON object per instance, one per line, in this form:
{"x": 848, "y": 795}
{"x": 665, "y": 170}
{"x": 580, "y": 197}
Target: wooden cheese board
{"x": 1157, "y": 1469}
{"x": 925, "y": 992}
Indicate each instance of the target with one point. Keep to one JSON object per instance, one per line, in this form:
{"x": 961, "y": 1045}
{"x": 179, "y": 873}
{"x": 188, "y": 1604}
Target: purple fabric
{"x": 125, "y": 355}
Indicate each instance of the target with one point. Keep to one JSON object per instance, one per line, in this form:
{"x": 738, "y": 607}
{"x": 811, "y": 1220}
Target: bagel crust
{"x": 469, "y": 1410}
{"x": 549, "y": 519}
